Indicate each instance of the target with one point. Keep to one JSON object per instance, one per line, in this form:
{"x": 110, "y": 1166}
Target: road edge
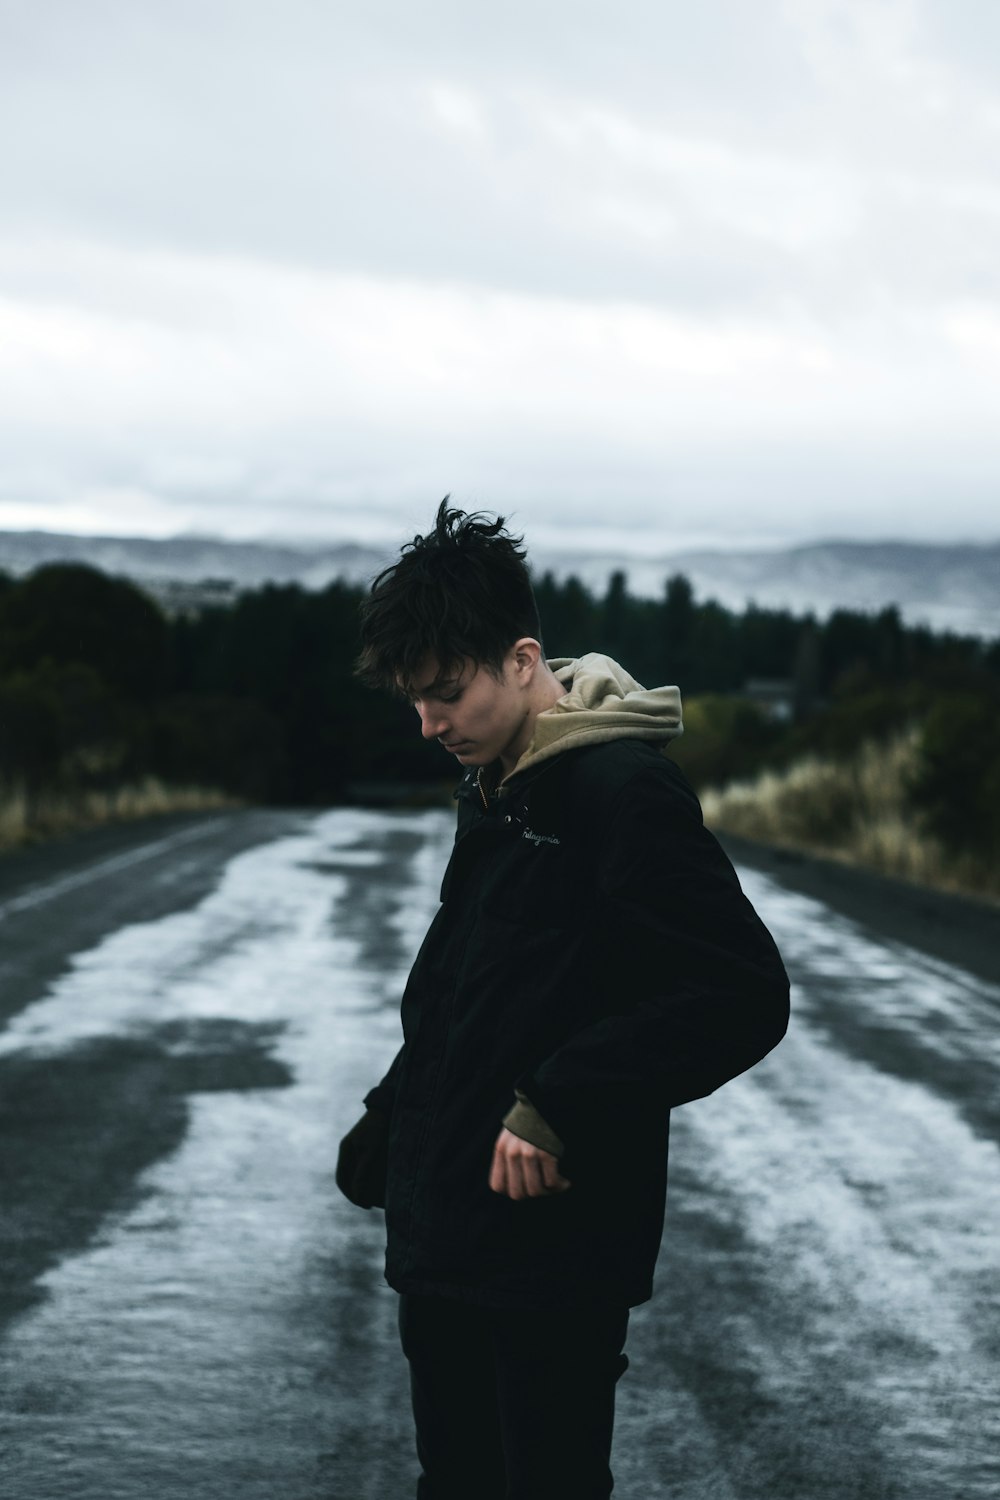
{"x": 954, "y": 929}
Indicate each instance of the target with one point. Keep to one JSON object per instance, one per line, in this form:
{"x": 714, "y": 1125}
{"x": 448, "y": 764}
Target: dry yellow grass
{"x": 26, "y": 819}
{"x": 854, "y": 810}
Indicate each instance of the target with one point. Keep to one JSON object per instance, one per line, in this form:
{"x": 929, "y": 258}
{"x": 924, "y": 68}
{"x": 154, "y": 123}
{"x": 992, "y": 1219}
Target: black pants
{"x": 512, "y": 1405}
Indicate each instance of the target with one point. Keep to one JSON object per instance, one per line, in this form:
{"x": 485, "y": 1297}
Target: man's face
{"x": 476, "y": 716}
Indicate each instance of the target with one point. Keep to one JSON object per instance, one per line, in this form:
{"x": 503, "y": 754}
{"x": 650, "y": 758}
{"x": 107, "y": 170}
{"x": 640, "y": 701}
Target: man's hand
{"x": 521, "y": 1170}
{"x": 362, "y": 1161}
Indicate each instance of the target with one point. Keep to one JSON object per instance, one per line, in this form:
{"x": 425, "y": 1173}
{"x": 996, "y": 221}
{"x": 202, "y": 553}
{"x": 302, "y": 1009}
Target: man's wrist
{"x": 524, "y": 1120}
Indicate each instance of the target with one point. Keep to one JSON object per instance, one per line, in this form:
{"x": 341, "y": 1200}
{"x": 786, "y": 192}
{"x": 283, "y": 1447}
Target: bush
{"x": 957, "y": 778}
{"x": 723, "y": 737}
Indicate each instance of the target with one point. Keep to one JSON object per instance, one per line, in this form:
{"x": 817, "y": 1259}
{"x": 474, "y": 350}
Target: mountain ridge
{"x": 952, "y": 585}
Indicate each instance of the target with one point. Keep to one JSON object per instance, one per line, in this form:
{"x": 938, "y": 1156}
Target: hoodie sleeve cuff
{"x": 524, "y": 1120}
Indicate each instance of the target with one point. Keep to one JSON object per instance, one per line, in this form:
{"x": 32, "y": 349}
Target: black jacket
{"x": 593, "y": 948}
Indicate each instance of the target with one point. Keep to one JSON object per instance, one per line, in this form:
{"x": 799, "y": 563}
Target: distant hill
{"x": 185, "y": 571}
{"x": 953, "y": 587}
{"x": 950, "y": 587}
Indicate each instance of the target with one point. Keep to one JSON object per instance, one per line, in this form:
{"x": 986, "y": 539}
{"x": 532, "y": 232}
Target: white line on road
{"x": 47, "y": 891}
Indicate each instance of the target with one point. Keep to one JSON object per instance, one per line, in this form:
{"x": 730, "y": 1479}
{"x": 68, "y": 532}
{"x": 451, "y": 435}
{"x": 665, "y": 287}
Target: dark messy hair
{"x": 460, "y": 592}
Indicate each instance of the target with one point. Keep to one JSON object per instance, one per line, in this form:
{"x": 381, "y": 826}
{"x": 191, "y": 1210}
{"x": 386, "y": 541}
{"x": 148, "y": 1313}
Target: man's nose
{"x": 432, "y": 723}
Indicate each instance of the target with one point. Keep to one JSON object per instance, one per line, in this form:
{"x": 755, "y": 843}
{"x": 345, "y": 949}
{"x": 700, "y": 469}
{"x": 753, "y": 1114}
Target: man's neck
{"x": 546, "y": 691}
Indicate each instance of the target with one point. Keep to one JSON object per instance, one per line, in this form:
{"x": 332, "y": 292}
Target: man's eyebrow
{"x": 447, "y": 679}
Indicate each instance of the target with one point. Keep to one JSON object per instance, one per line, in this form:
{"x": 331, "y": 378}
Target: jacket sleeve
{"x": 383, "y": 1095}
{"x": 524, "y": 1120}
{"x": 696, "y": 990}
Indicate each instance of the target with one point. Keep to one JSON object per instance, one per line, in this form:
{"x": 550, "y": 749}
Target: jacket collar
{"x": 480, "y": 787}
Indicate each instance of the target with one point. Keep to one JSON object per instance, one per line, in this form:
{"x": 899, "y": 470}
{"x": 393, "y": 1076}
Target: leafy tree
{"x": 59, "y": 722}
{"x": 67, "y": 612}
{"x": 30, "y": 739}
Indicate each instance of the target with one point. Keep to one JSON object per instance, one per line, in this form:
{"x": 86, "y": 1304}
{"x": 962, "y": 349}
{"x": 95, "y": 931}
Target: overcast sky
{"x": 641, "y": 274}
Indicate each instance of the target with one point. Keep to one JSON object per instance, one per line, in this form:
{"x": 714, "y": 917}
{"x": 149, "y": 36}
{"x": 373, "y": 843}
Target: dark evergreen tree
{"x": 678, "y": 618}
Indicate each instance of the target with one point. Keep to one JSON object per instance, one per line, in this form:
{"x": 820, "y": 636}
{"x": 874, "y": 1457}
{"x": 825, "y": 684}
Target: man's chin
{"x": 471, "y": 755}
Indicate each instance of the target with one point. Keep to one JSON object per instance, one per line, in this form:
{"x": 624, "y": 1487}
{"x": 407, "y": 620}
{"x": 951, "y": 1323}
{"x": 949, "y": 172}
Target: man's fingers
{"x": 521, "y": 1170}
{"x": 498, "y": 1170}
{"x": 520, "y": 1176}
{"x": 532, "y": 1177}
{"x": 552, "y": 1178}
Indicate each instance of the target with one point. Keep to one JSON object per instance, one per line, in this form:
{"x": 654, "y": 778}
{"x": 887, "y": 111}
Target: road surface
{"x": 192, "y": 1011}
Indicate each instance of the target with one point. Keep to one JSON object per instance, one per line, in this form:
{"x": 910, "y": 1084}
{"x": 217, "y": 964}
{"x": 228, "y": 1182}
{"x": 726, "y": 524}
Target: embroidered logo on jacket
{"x": 539, "y": 838}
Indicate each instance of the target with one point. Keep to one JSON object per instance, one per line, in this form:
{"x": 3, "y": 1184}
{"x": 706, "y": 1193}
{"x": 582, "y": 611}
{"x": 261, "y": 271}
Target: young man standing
{"x": 593, "y": 963}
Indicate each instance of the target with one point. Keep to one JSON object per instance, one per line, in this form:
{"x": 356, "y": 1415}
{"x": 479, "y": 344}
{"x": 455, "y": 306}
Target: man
{"x": 593, "y": 963}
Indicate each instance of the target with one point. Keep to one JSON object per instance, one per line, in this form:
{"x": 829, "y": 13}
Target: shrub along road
{"x": 194, "y": 1010}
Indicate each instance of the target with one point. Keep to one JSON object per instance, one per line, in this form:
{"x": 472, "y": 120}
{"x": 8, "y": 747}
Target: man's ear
{"x": 526, "y": 654}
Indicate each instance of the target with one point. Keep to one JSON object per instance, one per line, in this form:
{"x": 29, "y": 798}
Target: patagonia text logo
{"x": 539, "y": 838}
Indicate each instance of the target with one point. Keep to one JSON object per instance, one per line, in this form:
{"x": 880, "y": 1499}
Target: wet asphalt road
{"x": 193, "y": 1009}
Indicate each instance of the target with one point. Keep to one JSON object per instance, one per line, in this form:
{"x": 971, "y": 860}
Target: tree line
{"x": 98, "y": 685}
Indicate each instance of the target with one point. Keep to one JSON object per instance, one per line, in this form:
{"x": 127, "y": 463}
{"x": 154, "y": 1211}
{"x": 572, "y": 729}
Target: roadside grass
{"x": 27, "y": 817}
{"x": 854, "y": 809}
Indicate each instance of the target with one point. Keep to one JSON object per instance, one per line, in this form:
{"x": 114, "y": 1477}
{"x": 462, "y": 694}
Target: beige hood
{"x": 602, "y": 702}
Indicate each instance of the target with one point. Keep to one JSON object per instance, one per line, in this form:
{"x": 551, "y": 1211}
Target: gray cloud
{"x": 322, "y": 260}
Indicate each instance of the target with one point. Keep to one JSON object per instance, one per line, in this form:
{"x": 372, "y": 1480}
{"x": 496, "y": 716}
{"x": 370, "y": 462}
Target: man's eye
{"x": 452, "y": 697}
